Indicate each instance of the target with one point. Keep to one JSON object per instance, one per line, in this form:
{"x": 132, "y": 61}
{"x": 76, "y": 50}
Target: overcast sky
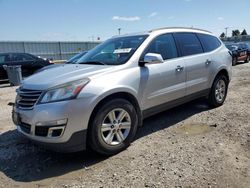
{"x": 81, "y": 20}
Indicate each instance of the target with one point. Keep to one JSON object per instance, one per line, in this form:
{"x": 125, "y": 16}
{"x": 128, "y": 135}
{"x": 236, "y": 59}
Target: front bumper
{"x": 77, "y": 142}
{"x": 73, "y": 136}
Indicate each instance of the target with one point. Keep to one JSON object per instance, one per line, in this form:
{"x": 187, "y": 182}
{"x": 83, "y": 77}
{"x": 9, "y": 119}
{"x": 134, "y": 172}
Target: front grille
{"x": 41, "y": 131}
{"x": 26, "y": 99}
{"x": 25, "y": 127}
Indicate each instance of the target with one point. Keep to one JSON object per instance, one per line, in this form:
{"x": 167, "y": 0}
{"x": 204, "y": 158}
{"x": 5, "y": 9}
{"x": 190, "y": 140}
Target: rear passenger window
{"x": 21, "y": 57}
{"x": 189, "y": 43}
{"x": 27, "y": 57}
{"x": 164, "y": 45}
{"x": 209, "y": 42}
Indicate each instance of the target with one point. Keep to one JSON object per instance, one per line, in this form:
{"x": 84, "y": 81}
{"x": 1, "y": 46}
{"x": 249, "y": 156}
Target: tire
{"x": 104, "y": 136}
{"x": 235, "y": 60}
{"x": 247, "y": 59}
{"x": 218, "y": 95}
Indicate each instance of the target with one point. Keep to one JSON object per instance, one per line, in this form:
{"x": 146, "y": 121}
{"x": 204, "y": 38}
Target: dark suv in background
{"x": 240, "y": 52}
{"x": 29, "y": 63}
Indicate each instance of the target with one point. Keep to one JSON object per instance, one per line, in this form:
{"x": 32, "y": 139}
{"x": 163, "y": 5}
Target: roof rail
{"x": 179, "y": 28}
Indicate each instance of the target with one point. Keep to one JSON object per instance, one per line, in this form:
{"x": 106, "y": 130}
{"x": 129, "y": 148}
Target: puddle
{"x": 195, "y": 128}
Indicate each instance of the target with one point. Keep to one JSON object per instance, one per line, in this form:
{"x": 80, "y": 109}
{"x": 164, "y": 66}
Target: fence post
{"x": 24, "y": 51}
{"x": 60, "y": 50}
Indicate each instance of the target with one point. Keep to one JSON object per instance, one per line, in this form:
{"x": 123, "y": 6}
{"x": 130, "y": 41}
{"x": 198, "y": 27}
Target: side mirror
{"x": 151, "y": 58}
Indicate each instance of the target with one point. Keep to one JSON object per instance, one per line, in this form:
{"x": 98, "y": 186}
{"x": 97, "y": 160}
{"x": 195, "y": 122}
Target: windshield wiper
{"x": 93, "y": 63}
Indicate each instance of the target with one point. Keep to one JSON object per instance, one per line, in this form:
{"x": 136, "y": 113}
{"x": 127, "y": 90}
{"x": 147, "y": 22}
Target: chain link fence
{"x": 51, "y": 50}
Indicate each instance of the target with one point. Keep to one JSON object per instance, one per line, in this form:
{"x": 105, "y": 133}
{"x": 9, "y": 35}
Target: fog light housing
{"x": 55, "y": 131}
{"x": 50, "y": 129}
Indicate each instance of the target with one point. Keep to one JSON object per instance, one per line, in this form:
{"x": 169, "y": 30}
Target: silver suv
{"x": 101, "y": 101}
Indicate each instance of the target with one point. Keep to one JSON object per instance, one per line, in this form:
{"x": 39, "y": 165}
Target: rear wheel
{"x": 235, "y": 60}
{"x": 218, "y": 91}
{"x": 247, "y": 59}
{"x": 113, "y": 127}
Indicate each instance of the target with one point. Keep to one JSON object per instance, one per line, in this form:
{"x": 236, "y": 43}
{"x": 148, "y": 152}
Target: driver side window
{"x": 164, "y": 45}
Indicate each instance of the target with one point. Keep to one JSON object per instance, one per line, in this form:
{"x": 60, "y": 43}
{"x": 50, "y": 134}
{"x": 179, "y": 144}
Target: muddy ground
{"x": 188, "y": 146}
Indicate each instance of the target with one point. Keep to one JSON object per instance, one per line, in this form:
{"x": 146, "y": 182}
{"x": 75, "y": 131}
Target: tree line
{"x": 235, "y": 33}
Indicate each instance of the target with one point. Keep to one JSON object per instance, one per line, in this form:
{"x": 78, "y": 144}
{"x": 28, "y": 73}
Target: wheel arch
{"x": 223, "y": 72}
{"x": 118, "y": 95}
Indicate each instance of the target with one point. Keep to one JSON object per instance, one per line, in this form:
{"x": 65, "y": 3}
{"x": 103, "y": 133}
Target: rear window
{"x": 242, "y": 46}
{"x": 209, "y": 42}
{"x": 188, "y": 43}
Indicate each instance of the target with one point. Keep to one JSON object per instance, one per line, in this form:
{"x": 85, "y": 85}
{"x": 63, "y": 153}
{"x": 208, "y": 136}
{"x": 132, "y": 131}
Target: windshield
{"x": 76, "y": 57}
{"x": 231, "y": 47}
{"x": 115, "y": 51}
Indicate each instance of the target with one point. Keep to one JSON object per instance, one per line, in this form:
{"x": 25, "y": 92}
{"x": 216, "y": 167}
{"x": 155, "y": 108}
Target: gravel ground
{"x": 188, "y": 146}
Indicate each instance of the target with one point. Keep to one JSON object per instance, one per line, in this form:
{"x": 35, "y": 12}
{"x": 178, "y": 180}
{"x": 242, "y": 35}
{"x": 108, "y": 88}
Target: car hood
{"x": 48, "y": 67}
{"x": 61, "y": 75}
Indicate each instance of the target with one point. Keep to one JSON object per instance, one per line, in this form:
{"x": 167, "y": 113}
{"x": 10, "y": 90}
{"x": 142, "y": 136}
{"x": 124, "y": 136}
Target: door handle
{"x": 208, "y": 62}
{"x": 179, "y": 68}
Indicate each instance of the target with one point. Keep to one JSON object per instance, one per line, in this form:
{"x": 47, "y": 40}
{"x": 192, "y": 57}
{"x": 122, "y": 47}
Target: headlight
{"x": 64, "y": 92}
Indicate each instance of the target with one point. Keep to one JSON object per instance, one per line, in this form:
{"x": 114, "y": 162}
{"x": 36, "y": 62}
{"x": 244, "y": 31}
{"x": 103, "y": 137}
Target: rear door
{"x": 242, "y": 51}
{"x": 165, "y": 82}
{"x": 197, "y": 63}
{"x": 25, "y": 61}
{"x": 35, "y": 62}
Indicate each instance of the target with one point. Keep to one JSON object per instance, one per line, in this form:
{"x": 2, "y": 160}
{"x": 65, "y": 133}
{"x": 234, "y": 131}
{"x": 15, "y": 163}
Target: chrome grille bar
{"x": 26, "y": 99}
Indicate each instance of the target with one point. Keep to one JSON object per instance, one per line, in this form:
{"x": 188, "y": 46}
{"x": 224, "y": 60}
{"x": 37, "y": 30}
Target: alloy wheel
{"x": 220, "y": 90}
{"x": 116, "y": 126}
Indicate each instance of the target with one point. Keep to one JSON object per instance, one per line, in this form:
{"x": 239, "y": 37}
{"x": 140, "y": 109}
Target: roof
{"x": 184, "y": 29}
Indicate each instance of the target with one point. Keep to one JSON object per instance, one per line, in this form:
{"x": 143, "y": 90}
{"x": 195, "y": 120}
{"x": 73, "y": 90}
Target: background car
{"x": 76, "y": 57}
{"x": 73, "y": 59}
{"x": 243, "y": 45}
{"x": 29, "y": 63}
{"x": 239, "y": 52}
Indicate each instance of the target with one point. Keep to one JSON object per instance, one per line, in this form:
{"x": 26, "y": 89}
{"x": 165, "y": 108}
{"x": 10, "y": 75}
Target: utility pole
{"x": 226, "y": 28}
{"x": 119, "y": 31}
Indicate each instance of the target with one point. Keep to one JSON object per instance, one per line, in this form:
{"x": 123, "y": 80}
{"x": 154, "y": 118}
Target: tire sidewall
{"x": 97, "y": 141}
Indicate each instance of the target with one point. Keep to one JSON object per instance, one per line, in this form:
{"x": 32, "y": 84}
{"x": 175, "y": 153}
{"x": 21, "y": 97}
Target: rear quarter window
{"x": 188, "y": 43}
{"x": 209, "y": 42}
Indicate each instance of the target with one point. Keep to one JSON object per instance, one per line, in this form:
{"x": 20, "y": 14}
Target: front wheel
{"x": 247, "y": 59}
{"x": 218, "y": 91}
{"x": 113, "y": 127}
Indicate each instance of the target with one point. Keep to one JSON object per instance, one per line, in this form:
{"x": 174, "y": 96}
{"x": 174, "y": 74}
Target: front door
{"x": 165, "y": 82}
